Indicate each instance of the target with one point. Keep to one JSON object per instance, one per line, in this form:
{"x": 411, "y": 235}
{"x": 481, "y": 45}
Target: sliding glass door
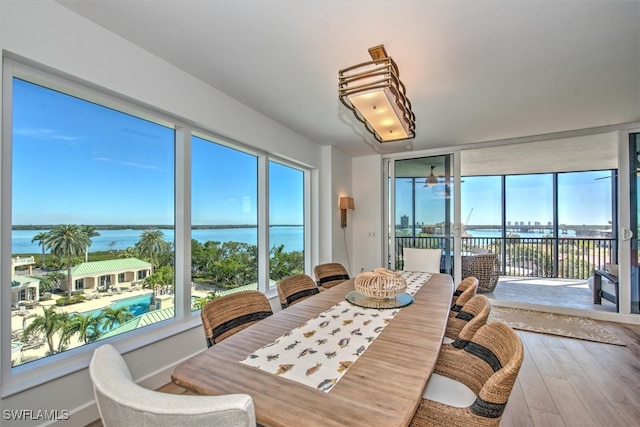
{"x": 634, "y": 184}
{"x": 421, "y": 214}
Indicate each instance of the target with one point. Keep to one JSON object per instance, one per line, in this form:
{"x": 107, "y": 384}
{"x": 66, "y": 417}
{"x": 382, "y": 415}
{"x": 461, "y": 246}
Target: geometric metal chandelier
{"x": 376, "y": 96}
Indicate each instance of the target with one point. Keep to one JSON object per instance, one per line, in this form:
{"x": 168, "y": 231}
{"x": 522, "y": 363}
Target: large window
{"x": 88, "y": 183}
{"x": 545, "y": 225}
{"x": 224, "y": 220}
{"x": 99, "y": 206}
{"x": 481, "y": 205}
{"x": 286, "y": 216}
{"x": 586, "y": 198}
{"x": 529, "y": 204}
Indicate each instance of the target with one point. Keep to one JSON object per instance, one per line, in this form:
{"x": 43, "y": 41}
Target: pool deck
{"x": 20, "y": 320}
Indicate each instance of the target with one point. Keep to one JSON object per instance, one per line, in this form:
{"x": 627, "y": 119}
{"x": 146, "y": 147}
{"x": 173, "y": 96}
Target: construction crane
{"x": 468, "y": 216}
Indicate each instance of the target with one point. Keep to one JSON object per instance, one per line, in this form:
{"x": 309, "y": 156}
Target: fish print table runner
{"x": 320, "y": 351}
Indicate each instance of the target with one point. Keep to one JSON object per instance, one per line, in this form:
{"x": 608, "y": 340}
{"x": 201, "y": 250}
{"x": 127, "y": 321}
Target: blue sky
{"x": 81, "y": 163}
{"x": 584, "y": 198}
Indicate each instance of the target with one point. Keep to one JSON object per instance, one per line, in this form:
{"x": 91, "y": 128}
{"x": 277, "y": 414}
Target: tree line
{"x": 220, "y": 265}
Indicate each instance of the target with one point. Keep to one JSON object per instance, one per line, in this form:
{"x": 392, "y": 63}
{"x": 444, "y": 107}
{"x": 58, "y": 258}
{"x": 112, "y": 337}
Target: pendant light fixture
{"x": 431, "y": 179}
{"x": 376, "y": 96}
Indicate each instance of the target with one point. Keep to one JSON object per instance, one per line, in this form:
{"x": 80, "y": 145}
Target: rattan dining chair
{"x": 468, "y": 293}
{"x": 228, "y": 314}
{"x": 462, "y": 327}
{"x": 330, "y": 274}
{"x": 462, "y": 286}
{"x": 296, "y": 288}
{"x": 122, "y": 402}
{"x": 471, "y": 387}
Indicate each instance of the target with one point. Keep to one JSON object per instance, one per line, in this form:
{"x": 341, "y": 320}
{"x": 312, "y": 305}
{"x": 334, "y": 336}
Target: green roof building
{"x": 115, "y": 273}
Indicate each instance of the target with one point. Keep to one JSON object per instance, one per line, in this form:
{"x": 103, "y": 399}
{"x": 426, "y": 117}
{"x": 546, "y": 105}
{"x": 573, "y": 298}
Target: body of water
{"x": 498, "y": 233}
{"x": 292, "y": 237}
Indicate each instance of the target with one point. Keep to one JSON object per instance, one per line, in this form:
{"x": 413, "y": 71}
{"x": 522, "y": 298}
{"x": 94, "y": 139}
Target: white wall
{"x": 366, "y": 227}
{"x": 54, "y": 37}
{"x": 336, "y": 182}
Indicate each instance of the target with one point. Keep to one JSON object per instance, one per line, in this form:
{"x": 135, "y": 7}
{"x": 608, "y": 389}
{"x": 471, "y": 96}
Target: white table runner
{"x": 320, "y": 351}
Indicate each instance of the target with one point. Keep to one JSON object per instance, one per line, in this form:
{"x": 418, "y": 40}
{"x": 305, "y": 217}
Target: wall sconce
{"x": 345, "y": 203}
{"x": 376, "y": 96}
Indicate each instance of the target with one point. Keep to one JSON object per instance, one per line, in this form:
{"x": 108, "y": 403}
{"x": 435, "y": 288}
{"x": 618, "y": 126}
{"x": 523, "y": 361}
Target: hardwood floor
{"x": 566, "y": 382}
{"x": 570, "y": 382}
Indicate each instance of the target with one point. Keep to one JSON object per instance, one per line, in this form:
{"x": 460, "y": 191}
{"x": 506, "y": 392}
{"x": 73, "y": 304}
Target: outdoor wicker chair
{"x": 228, "y": 314}
{"x": 295, "y": 288}
{"x": 461, "y": 328}
{"x": 463, "y": 298}
{"x": 471, "y": 387}
{"x": 486, "y": 268}
{"x": 479, "y": 251}
{"x": 330, "y": 274}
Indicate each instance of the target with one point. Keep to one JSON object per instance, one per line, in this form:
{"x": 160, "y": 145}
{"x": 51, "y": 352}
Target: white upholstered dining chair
{"x": 424, "y": 260}
{"x": 122, "y": 402}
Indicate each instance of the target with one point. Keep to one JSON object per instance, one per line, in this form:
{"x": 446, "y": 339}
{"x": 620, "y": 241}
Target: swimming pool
{"x": 137, "y": 305}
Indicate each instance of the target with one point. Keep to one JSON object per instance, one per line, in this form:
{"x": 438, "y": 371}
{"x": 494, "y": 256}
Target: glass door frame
{"x": 628, "y": 276}
{"x": 629, "y": 223}
{"x": 389, "y": 214}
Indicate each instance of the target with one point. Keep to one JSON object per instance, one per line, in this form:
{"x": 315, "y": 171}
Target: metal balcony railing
{"x": 569, "y": 258}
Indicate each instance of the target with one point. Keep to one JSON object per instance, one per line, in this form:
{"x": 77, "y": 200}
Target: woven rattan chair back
{"x": 486, "y": 268}
{"x": 228, "y": 314}
{"x": 296, "y": 288}
{"x": 466, "y": 323}
{"x": 463, "y": 298}
{"x": 489, "y": 366}
{"x": 330, "y": 274}
{"x": 462, "y": 286}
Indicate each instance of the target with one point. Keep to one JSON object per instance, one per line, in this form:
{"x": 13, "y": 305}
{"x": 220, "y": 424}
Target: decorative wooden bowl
{"x": 380, "y": 284}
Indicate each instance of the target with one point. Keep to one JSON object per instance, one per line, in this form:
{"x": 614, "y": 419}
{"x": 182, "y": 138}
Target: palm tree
{"x": 111, "y": 317}
{"x": 68, "y": 241}
{"x": 90, "y": 231}
{"x": 41, "y": 238}
{"x": 163, "y": 277}
{"x": 48, "y": 325}
{"x": 85, "y": 325}
{"x": 56, "y": 277}
{"x": 151, "y": 244}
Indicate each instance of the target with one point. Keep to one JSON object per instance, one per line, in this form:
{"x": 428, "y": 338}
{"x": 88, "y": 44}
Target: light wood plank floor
{"x": 566, "y": 382}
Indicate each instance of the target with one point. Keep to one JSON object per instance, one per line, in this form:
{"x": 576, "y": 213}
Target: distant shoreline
{"x": 149, "y": 226}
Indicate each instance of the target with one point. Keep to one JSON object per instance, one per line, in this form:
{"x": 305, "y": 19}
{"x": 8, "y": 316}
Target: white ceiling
{"x": 474, "y": 70}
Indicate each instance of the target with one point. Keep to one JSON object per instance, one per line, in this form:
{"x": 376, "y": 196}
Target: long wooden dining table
{"x": 382, "y": 388}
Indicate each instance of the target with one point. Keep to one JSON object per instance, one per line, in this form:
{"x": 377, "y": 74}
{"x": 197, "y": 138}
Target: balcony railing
{"x": 569, "y": 258}
{"x": 18, "y": 260}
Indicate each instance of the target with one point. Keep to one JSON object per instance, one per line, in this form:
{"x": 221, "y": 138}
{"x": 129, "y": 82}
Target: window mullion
{"x": 263, "y": 224}
{"x": 182, "y": 223}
